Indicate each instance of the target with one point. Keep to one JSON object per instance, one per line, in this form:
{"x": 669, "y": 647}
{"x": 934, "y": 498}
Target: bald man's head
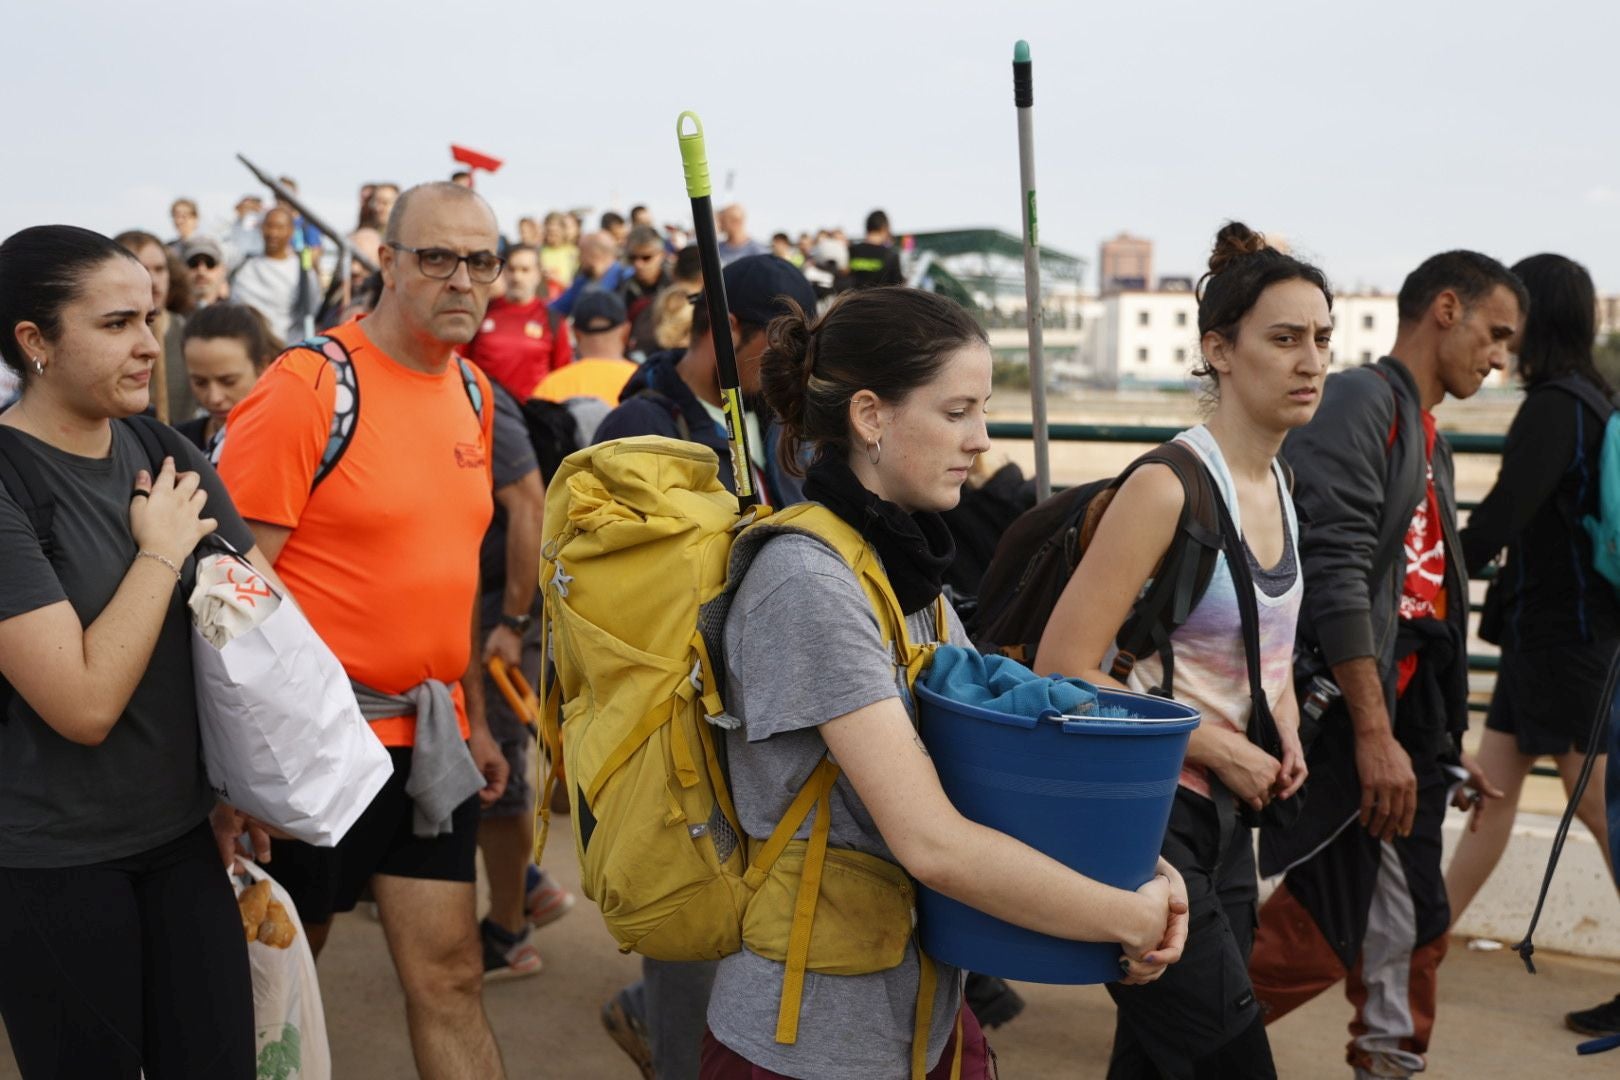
{"x": 597, "y": 253}
{"x": 423, "y": 198}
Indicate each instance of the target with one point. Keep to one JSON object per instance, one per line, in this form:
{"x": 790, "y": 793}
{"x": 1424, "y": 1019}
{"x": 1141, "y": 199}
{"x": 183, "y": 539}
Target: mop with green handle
{"x": 695, "y": 157}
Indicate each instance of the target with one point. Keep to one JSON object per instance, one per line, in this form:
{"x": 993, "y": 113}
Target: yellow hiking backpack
{"x": 643, "y": 551}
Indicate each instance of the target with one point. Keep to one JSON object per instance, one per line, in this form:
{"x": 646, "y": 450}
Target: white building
{"x": 1363, "y": 328}
{"x": 1152, "y": 337}
{"x": 1148, "y": 337}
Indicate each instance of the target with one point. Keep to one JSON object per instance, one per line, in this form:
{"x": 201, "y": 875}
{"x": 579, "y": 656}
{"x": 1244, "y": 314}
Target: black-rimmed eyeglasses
{"x": 440, "y": 264}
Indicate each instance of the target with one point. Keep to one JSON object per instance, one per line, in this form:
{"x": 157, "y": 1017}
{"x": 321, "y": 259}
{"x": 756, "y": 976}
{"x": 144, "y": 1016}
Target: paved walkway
{"x": 1496, "y": 1021}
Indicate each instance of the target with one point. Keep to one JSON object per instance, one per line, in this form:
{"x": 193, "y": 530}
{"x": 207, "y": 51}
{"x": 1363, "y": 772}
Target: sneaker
{"x": 627, "y": 1030}
{"x": 993, "y": 1002}
{"x": 1602, "y": 1020}
{"x": 507, "y": 955}
{"x": 546, "y": 901}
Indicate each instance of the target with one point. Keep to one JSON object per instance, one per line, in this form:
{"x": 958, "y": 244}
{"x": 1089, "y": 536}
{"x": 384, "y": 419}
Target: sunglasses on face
{"x": 440, "y": 264}
{"x": 648, "y": 256}
{"x": 202, "y": 260}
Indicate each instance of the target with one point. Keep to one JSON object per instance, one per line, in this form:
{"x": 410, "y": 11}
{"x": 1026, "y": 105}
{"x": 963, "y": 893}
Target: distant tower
{"x": 1125, "y": 262}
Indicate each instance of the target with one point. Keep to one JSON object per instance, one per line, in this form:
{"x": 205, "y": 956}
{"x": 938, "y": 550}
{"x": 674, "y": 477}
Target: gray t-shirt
{"x": 802, "y": 648}
{"x": 512, "y": 458}
{"x": 63, "y": 804}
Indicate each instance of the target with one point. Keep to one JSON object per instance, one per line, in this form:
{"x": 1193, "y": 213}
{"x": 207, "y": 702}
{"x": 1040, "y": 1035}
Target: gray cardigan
{"x": 1356, "y": 494}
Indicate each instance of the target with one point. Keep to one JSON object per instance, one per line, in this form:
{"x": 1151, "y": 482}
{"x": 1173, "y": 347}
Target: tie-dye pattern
{"x": 1211, "y": 674}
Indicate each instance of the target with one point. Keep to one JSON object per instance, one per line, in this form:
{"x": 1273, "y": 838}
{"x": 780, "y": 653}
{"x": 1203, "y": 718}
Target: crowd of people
{"x": 370, "y": 442}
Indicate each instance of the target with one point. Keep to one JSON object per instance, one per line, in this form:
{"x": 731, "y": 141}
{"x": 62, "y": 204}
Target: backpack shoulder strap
{"x": 469, "y": 383}
{"x": 1262, "y": 727}
{"x": 1585, "y": 391}
{"x": 20, "y": 476}
{"x": 1184, "y": 573}
{"x": 158, "y": 439}
{"x": 816, "y": 520}
{"x": 345, "y": 405}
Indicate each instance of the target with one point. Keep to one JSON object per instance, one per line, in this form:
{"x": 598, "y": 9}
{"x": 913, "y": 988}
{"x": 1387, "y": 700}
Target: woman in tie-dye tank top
{"x": 1265, "y": 320}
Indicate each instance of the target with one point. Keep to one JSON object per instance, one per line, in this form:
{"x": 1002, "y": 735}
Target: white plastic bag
{"x": 282, "y": 737}
{"x": 288, "y": 1021}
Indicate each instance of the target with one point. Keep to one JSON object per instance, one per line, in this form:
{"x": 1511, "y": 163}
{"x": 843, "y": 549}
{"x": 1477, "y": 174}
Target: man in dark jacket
{"x": 660, "y": 1021}
{"x": 1384, "y": 623}
{"x": 677, "y": 393}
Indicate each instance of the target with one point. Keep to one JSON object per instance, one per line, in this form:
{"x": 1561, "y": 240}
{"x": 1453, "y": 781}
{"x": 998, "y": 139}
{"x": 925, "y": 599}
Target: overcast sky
{"x": 1371, "y": 134}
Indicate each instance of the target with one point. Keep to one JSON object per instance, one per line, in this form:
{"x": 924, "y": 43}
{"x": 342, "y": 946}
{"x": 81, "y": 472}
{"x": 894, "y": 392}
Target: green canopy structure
{"x": 977, "y": 267}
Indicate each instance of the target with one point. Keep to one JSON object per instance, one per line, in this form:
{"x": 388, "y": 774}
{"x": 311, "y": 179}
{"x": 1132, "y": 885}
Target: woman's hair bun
{"x": 787, "y": 365}
{"x": 1234, "y": 241}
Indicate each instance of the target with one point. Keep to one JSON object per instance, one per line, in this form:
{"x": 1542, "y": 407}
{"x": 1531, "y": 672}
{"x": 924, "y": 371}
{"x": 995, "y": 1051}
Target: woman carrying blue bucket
{"x": 889, "y": 389}
{"x": 1265, "y": 320}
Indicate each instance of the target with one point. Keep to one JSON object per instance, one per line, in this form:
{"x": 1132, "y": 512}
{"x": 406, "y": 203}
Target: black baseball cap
{"x": 759, "y": 286}
{"x": 598, "y": 310}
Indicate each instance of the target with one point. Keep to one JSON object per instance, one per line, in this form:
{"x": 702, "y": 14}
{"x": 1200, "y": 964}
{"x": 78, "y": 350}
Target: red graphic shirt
{"x": 1423, "y": 592}
{"x": 517, "y": 346}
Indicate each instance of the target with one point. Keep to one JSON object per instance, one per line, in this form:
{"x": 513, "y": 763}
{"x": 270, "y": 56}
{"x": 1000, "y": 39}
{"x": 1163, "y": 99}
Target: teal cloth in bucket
{"x": 1002, "y": 684}
{"x": 1083, "y": 774}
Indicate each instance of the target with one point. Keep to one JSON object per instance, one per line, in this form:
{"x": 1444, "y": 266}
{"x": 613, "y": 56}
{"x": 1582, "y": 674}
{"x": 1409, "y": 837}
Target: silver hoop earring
{"x": 39, "y": 366}
{"x": 874, "y": 451}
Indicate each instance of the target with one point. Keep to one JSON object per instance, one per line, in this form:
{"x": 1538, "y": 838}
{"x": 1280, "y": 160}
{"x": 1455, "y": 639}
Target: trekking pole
{"x": 1024, "y": 99}
{"x": 1607, "y": 704}
{"x": 695, "y": 158}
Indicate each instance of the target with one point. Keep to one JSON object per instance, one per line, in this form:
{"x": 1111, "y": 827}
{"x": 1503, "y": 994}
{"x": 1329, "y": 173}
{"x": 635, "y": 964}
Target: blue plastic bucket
{"x": 1093, "y": 794}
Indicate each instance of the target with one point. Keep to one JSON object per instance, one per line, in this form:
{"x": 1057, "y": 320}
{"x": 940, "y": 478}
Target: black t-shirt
{"x": 63, "y": 804}
{"x": 873, "y": 264}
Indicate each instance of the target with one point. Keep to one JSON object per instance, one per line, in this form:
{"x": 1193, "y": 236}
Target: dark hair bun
{"x": 1234, "y": 241}
{"x": 787, "y": 365}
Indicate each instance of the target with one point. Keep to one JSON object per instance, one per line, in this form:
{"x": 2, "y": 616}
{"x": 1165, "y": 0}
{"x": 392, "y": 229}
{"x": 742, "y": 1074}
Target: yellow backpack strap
{"x": 927, "y": 986}
{"x": 816, "y": 793}
{"x": 656, "y": 717}
{"x": 549, "y": 732}
{"x": 815, "y": 789}
{"x": 712, "y": 706}
{"x": 843, "y": 538}
{"x": 804, "y": 914}
{"x": 956, "y": 1058}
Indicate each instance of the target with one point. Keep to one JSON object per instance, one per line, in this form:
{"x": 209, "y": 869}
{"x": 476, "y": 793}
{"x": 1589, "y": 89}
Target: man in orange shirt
{"x": 380, "y": 549}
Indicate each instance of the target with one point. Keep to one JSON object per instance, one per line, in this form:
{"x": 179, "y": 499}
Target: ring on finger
{"x": 139, "y": 494}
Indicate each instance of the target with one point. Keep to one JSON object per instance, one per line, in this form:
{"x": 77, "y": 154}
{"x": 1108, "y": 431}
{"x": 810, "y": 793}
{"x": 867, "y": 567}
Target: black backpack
{"x": 1039, "y": 552}
{"x": 557, "y": 429}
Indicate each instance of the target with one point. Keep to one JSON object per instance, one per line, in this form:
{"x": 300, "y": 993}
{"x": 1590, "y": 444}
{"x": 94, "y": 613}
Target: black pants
{"x": 135, "y": 964}
{"x": 1199, "y": 1020}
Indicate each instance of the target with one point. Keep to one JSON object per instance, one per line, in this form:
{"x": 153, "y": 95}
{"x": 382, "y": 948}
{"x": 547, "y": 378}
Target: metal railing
{"x": 1149, "y": 434}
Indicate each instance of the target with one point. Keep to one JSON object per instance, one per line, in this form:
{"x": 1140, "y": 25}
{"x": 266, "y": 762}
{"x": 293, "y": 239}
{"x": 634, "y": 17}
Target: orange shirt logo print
{"x": 470, "y": 455}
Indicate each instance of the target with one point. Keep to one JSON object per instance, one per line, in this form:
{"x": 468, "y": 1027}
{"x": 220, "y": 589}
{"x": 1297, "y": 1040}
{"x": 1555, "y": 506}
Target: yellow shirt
{"x": 603, "y": 379}
{"x": 559, "y": 264}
